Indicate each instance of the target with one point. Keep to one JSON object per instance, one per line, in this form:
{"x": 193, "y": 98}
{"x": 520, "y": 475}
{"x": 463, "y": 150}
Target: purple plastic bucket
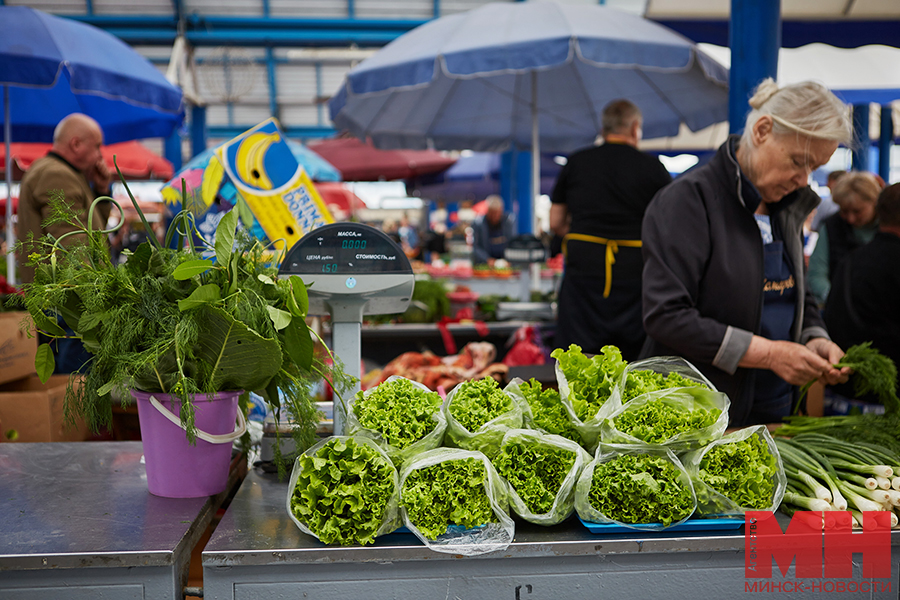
{"x": 175, "y": 468}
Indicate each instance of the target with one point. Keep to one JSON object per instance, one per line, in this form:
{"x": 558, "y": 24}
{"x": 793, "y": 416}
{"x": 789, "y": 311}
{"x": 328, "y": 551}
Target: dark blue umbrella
{"x": 51, "y": 67}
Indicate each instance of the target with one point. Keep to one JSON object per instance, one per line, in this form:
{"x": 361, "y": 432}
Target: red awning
{"x": 135, "y": 160}
{"x": 338, "y": 196}
{"x": 361, "y": 162}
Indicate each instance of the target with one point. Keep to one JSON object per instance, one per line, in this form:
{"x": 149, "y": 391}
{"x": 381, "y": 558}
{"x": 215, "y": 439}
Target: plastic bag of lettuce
{"x": 455, "y": 502}
{"x": 739, "y": 472}
{"x": 679, "y": 419}
{"x": 479, "y": 413}
{"x": 638, "y": 487}
{"x": 586, "y": 386}
{"x": 658, "y": 373}
{"x": 541, "y": 470}
{"x": 544, "y": 410}
{"x": 344, "y": 490}
{"x": 403, "y": 416}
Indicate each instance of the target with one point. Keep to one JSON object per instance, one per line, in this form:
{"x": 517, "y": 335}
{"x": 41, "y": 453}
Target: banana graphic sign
{"x": 258, "y": 173}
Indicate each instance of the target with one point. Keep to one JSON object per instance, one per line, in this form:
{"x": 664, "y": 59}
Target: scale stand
{"x": 525, "y": 250}
{"x": 350, "y": 270}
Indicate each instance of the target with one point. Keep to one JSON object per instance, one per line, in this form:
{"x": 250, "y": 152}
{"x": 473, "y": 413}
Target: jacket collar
{"x": 64, "y": 161}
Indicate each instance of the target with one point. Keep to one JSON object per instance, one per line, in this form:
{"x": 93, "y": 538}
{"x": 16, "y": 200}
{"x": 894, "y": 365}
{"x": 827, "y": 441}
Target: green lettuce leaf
{"x": 535, "y": 471}
{"x": 477, "y": 402}
{"x": 343, "y": 491}
{"x": 641, "y": 381}
{"x": 548, "y": 411}
{"x": 638, "y": 488}
{"x": 744, "y": 472}
{"x": 659, "y": 420}
{"x": 401, "y": 412}
{"x": 591, "y": 380}
{"x": 448, "y": 493}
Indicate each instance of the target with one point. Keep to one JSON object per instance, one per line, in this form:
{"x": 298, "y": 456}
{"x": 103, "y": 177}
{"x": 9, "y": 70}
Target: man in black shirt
{"x": 598, "y": 205}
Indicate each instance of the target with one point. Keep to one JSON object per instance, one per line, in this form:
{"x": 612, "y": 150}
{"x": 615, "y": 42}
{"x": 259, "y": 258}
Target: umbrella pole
{"x": 535, "y": 154}
{"x": 10, "y": 238}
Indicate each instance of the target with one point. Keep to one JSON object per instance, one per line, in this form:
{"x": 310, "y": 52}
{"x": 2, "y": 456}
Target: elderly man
{"x": 492, "y": 232}
{"x": 75, "y": 166}
{"x": 598, "y": 204}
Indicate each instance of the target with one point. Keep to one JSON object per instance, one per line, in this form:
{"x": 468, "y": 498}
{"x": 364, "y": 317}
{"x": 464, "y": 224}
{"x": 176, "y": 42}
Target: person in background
{"x": 862, "y": 304}
{"x": 409, "y": 237}
{"x": 597, "y": 207}
{"x": 854, "y": 225}
{"x": 76, "y": 167}
{"x": 491, "y": 232}
{"x": 827, "y": 207}
{"x": 723, "y": 257}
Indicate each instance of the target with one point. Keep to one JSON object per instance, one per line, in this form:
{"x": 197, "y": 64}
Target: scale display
{"x": 345, "y": 249}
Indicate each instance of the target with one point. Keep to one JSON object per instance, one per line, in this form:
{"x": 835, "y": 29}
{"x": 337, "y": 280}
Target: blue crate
{"x": 722, "y": 523}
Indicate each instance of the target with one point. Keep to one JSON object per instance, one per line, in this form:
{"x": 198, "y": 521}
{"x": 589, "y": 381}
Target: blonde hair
{"x": 856, "y": 186}
{"x": 805, "y": 108}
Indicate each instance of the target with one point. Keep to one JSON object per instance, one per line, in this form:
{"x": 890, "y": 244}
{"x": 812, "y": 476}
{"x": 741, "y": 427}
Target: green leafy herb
{"x": 744, "y": 472}
{"x": 477, "y": 402}
{"x": 548, "y": 411}
{"x": 535, "y": 471}
{"x": 343, "y": 492}
{"x": 449, "y": 493}
{"x": 873, "y": 373}
{"x": 636, "y": 488}
{"x": 591, "y": 380}
{"x": 659, "y": 420}
{"x": 401, "y": 412}
{"x": 641, "y": 381}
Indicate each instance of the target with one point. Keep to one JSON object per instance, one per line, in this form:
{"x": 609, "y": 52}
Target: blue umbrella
{"x": 51, "y": 67}
{"x": 527, "y": 74}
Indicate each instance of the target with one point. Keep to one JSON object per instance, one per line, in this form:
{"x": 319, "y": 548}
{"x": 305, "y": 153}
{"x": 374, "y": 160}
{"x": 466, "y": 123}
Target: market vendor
{"x": 723, "y": 280}
{"x": 492, "y": 232}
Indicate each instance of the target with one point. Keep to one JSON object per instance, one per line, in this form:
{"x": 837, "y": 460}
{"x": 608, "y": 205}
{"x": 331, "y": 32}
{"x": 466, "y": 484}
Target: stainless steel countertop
{"x": 86, "y": 504}
{"x": 256, "y": 530}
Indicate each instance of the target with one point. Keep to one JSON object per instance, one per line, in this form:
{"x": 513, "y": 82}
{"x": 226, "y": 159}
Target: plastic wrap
{"x": 675, "y": 399}
{"x": 712, "y": 502}
{"x": 659, "y": 364}
{"x": 489, "y": 537}
{"x": 399, "y": 455}
{"x": 564, "y": 502}
{"x": 608, "y": 452}
{"x": 390, "y": 513}
{"x": 486, "y": 438}
{"x": 589, "y": 430}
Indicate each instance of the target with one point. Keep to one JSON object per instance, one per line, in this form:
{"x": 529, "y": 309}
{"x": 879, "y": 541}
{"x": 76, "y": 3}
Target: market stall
{"x": 77, "y": 522}
{"x": 257, "y": 552}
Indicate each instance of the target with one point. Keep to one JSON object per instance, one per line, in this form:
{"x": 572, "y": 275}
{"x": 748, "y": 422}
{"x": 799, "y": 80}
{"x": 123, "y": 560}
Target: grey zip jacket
{"x": 703, "y": 274}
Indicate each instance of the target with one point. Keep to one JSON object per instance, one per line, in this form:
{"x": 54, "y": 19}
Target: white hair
{"x": 807, "y": 108}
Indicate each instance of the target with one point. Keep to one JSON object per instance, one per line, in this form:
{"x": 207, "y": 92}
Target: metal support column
{"x": 860, "y": 160}
{"x": 523, "y": 198}
{"x": 886, "y": 142}
{"x": 198, "y": 130}
{"x": 755, "y": 38}
{"x": 173, "y": 149}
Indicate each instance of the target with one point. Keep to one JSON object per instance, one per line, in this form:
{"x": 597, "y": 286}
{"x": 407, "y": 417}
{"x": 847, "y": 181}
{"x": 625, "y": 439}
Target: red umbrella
{"x": 361, "y": 162}
{"x": 134, "y": 159}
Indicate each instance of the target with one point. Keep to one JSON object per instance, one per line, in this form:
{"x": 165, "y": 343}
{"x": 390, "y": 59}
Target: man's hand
{"x": 99, "y": 177}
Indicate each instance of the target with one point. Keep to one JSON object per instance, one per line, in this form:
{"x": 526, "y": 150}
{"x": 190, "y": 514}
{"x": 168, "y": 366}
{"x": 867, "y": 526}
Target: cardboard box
{"x": 34, "y": 411}
{"x": 17, "y": 350}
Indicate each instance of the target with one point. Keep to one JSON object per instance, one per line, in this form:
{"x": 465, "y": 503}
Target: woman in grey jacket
{"x": 723, "y": 280}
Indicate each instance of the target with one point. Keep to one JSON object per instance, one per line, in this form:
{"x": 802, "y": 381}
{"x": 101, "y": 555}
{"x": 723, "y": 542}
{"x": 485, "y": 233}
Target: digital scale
{"x": 350, "y": 270}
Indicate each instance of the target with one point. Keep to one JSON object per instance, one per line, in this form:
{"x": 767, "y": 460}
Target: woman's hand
{"x": 795, "y": 363}
{"x": 832, "y": 353}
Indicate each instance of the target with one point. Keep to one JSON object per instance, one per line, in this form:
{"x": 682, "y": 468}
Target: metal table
{"x": 256, "y": 552}
{"x": 77, "y": 522}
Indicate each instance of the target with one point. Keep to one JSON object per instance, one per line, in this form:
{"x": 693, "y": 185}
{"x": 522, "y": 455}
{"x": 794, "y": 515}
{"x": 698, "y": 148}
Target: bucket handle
{"x": 212, "y": 438}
